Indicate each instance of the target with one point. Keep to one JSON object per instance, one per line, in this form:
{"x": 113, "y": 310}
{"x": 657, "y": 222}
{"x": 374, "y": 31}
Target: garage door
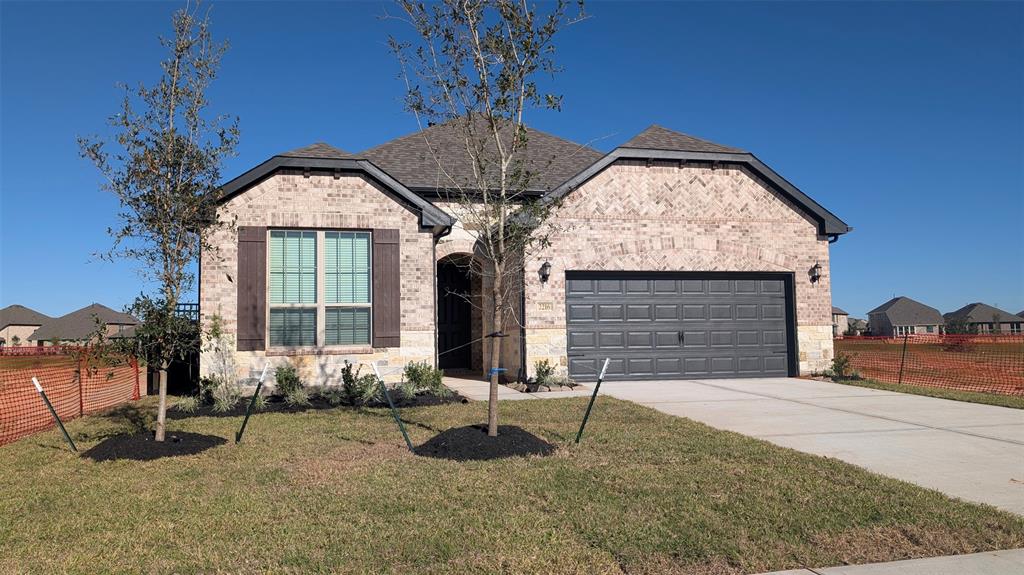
{"x": 664, "y": 326}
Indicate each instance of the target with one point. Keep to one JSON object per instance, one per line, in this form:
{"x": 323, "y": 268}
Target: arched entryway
{"x": 458, "y": 314}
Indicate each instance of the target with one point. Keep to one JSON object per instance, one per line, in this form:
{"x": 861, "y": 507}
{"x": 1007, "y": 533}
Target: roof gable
{"x": 80, "y": 324}
{"x": 317, "y": 150}
{"x": 658, "y": 138}
{"x": 904, "y": 311}
{"x": 838, "y": 311}
{"x": 21, "y": 315}
{"x": 983, "y": 313}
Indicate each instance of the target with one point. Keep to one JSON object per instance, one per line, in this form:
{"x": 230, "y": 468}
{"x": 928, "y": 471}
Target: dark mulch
{"x": 277, "y": 405}
{"x": 471, "y": 443}
{"x": 143, "y": 446}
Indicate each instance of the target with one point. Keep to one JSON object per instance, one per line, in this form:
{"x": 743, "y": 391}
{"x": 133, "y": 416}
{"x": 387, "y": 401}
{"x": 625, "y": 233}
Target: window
{"x": 319, "y": 288}
{"x": 1015, "y": 328}
{"x": 930, "y": 329}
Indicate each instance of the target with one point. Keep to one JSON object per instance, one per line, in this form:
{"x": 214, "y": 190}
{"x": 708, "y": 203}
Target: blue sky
{"x": 906, "y": 120}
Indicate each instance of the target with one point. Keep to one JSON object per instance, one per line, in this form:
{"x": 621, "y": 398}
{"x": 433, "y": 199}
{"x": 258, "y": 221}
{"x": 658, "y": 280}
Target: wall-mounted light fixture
{"x": 815, "y": 272}
{"x": 545, "y": 272}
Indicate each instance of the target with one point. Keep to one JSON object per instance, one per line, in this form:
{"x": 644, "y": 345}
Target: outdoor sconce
{"x": 545, "y": 272}
{"x": 815, "y": 272}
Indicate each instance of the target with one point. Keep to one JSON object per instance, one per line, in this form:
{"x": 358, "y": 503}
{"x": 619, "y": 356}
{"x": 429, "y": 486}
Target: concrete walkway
{"x": 967, "y": 450}
{"x": 993, "y": 563}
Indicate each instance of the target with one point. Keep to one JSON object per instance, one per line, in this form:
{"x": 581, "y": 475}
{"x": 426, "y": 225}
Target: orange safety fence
{"x": 75, "y": 384}
{"x": 983, "y": 363}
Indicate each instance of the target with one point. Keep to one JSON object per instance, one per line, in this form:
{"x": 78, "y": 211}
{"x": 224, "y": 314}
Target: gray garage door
{"x": 658, "y": 326}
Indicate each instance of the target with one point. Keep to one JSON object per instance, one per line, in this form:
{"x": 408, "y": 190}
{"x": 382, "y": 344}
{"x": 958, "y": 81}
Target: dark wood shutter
{"x": 387, "y": 289}
{"x": 252, "y": 288}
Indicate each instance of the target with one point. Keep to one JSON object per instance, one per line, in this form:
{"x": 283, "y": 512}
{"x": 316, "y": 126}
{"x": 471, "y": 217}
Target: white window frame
{"x": 321, "y": 304}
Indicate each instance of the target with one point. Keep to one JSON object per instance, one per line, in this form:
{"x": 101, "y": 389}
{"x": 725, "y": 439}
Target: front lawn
{"x": 335, "y": 490}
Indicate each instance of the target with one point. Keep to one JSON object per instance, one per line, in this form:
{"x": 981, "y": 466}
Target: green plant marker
{"x": 593, "y": 398}
{"x": 252, "y": 402}
{"x": 394, "y": 412}
{"x": 53, "y": 412}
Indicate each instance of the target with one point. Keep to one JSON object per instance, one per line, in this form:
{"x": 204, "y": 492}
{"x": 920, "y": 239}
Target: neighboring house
{"x": 80, "y": 325}
{"x": 673, "y": 256}
{"x": 839, "y": 321}
{"x": 17, "y": 323}
{"x": 987, "y": 319}
{"x": 904, "y": 316}
{"x": 856, "y": 326}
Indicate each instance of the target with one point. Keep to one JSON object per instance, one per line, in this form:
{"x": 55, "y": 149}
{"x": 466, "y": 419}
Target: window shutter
{"x": 386, "y": 289}
{"x": 252, "y": 288}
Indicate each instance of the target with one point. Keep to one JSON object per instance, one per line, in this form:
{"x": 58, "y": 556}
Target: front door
{"x": 453, "y": 316}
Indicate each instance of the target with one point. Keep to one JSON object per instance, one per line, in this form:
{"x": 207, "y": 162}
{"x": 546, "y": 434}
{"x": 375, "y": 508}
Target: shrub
{"x": 260, "y": 403}
{"x": 287, "y": 379}
{"x": 420, "y": 376}
{"x": 297, "y": 397}
{"x": 188, "y": 404}
{"x": 544, "y": 371}
{"x": 358, "y": 389}
{"x": 334, "y": 396}
{"x": 560, "y": 380}
{"x": 221, "y": 394}
{"x": 841, "y": 366}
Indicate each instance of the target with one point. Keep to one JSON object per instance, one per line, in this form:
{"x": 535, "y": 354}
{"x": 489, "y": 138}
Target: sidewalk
{"x": 992, "y": 563}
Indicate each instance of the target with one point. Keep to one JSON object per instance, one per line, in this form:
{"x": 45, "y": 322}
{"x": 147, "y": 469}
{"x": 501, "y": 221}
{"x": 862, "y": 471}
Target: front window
{"x": 930, "y": 329}
{"x": 1015, "y": 328}
{"x": 319, "y": 288}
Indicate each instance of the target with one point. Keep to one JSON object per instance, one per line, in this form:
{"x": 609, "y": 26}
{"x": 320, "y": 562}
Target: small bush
{"x": 188, "y": 404}
{"x": 225, "y": 402}
{"x": 260, "y": 404}
{"x": 297, "y": 397}
{"x": 287, "y": 379}
{"x": 213, "y": 390}
{"x": 841, "y": 366}
{"x": 358, "y": 389}
{"x": 421, "y": 377}
{"x": 334, "y": 396}
{"x": 560, "y": 380}
{"x": 544, "y": 371}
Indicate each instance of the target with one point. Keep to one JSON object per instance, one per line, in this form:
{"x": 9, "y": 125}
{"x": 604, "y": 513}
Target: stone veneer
{"x": 289, "y": 199}
{"x": 665, "y": 217}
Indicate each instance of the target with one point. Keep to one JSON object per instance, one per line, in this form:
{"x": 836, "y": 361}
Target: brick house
{"x": 904, "y": 316}
{"x": 987, "y": 319}
{"x": 840, "y": 321}
{"x": 80, "y": 325}
{"x": 17, "y": 323}
{"x": 674, "y": 256}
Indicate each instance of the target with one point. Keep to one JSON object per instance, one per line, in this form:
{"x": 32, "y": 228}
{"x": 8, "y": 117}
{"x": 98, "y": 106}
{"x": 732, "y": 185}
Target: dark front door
{"x": 679, "y": 326}
{"x": 453, "y": 316}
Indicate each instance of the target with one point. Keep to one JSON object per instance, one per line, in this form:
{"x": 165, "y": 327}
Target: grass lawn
{"x": 336, "y": 491}
{"x": 1014, "y": 401}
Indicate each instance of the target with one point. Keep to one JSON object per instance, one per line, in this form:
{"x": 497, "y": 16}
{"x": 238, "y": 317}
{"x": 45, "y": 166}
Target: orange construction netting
{"x": 75, "y": 386}
{"x": 984, "y": 363}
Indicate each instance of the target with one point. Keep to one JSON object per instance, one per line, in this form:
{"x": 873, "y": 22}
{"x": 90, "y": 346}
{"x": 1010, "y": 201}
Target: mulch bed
{"x": 277, "y": 405}
{"x": 471, "y": 443}
{"x": 143, "y": 446}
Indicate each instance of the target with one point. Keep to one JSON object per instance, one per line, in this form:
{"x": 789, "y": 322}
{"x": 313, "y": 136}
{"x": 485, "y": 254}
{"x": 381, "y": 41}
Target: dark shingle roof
{"x": 658, "y": 138}
{"x": 21, "y": 315}
{"x": 79, "y": 324}
{"x": 983, "y": 313}
{"x": 904, "y": 311}
{"x": 861, "y": 324}
{"x": 413, "y": 159}
{"x": 838, "y": 311}
{"x": 317, "y": 150}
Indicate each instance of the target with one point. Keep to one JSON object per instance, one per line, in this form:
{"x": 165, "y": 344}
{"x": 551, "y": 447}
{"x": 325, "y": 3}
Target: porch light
{"x": 815, "y": 272}
{"x": 545, "y": 271}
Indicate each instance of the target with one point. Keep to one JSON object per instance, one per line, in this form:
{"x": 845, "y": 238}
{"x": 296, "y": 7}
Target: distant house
{"x": 856, "y": 326}
{"x": 904, "y": 316}
{"x": 80, "y": 325}
{"x": 839, "y": 318}
{"x": 987, "y": 319}
{"x": 17, "y": 323}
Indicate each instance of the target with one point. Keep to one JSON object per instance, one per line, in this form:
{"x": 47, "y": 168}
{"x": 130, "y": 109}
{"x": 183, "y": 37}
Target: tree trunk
{"x": 496, "y": 324}
{"x": 161, "y": 410}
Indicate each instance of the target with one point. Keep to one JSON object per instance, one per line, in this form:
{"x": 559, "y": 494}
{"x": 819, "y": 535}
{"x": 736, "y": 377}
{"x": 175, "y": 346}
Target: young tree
{"x": 165, "y": 172}
{"x": 474, "y": 64}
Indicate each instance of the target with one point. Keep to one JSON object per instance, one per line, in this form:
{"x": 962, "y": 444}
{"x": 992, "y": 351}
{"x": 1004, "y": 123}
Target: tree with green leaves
{"x": 474, "y": 64}
{"x": 163, "y": 163}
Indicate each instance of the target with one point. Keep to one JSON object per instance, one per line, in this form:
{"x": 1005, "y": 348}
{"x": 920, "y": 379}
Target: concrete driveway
{"x": 967, "y": 450}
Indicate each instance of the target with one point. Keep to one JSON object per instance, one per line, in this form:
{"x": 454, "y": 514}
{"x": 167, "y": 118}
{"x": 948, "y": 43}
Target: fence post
{"x": 53, "y": 412}
{"x": 391, "y": 404}
{"x": 252, "y": 402}
{"x": 593, "y": 398}
{"x": 137, "y": 393}
{"x": 81, "y": 376}
{"x": 903, "y": 358}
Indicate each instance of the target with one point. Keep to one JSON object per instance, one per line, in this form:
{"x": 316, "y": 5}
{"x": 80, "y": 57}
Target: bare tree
{"x": 166, "y": 172}
{"x": 474, "y": 64}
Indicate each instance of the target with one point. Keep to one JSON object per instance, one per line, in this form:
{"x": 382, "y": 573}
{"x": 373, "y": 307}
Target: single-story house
{"x": 17, "y": 323}
{"x": 904, "y": 316}
{"x": 80, "y": 325}
{"x": 839, "y": 321}
{"x": 987, "y": 319}
{"x": 855, "y": 326}
{"x": 674, "y": 256}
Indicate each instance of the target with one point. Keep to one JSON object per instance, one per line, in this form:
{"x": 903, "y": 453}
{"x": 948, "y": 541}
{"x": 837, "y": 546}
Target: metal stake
{"x": 53, "y": 412}
{"x": 252, "y": 402}
{"x": 903, "y": 358}
{"x": 394, "y": 412}
{"x": 593, "y": 397}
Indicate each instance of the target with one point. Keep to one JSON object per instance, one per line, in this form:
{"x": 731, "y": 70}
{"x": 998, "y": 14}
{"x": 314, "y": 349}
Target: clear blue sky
{"x": 906, "y": 120}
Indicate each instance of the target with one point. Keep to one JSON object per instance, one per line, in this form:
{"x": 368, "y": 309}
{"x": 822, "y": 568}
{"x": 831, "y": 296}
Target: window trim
{"x": 320, "y": 304}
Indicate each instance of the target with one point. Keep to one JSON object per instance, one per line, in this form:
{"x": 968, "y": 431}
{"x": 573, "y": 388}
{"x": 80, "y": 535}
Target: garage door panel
{"x": 730, "y": 327}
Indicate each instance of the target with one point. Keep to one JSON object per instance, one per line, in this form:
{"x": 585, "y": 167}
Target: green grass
{"x": 1014, "y": 401}
{"x": 336, "y": 491}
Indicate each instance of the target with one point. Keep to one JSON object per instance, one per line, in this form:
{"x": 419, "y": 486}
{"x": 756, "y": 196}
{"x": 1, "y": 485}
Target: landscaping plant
{"x": 544, "y": 371}
{"x": 421, "y": 377}
{"x": 287, "y": 380}
{"x": 358, "y": 389}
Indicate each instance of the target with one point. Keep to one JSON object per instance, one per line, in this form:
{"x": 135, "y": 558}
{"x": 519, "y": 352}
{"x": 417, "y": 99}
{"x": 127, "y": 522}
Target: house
{"x": 856, "y": 326}
{"x": 672, "y": 256}
{"x": 17, "y": 323}
{"x": 904, "y": 316}
{"x": 80, "y": 325}
{"x": 987, "y": 319}
{"x": 839, "y": 321}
